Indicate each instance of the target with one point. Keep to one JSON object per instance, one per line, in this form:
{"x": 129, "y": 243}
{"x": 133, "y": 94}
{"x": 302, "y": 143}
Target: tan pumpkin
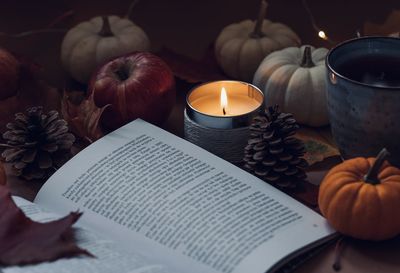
{"x": 294, "y": 78}
{"x": 361, "y": 198}
{"x": 98, "y": 40}
{"x": 241, "y": 47}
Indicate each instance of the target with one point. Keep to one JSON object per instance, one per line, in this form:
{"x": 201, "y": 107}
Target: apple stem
{"x": 105, "y": 28}
{"x": 372, "y": 175}
{"x": 122, "y": 72}
{"x": 257, "y": 32}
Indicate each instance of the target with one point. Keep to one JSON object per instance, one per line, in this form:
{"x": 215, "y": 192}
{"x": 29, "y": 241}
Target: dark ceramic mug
{"x": 363, "y": 78}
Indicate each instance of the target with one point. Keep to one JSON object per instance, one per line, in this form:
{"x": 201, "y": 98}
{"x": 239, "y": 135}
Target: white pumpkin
{"x": 98, "y": 40}
{"x": 241, "y": 47}
{"x": 294, "y": 78}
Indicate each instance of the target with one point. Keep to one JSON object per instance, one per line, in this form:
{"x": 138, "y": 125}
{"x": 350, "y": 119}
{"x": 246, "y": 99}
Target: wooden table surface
{"x": 169, "y": 23}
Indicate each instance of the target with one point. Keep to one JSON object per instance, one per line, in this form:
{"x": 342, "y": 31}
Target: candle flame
{"x": 223, "y": 100}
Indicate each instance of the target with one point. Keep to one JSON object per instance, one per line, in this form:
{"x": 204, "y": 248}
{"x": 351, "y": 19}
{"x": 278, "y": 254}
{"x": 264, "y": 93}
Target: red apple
{"x": 137, "y": 85}
{"x": 9, "y": 74}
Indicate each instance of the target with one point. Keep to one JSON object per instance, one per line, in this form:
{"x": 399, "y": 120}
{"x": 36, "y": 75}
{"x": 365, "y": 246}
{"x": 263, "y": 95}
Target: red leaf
{"x": 191, "y": 70}
{"x": 83, "y": 117}
{"x": 23, "y": 241}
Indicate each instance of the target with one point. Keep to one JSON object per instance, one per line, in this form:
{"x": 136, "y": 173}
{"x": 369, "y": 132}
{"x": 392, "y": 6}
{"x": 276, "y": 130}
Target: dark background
{"x": 187, "y": 27}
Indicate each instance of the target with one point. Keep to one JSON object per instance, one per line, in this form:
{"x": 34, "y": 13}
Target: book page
{"x": 168, "y": 198}
{"x": 109, "y": 256}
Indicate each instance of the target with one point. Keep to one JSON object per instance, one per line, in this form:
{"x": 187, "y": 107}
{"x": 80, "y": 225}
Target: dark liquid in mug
{"x": 377, "y": 70}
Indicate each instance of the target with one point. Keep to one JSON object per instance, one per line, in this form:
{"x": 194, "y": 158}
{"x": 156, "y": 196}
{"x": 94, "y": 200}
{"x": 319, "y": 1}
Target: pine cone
{"x": 273, "y": 153}
{"x": 37, "y": 143}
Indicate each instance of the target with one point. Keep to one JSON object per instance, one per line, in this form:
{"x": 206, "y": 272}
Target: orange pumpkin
{"x": 361, "y": 198}
{"x": 3, "y": 177}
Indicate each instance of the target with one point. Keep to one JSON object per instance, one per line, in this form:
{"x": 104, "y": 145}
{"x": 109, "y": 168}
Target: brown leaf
{"x": 82, "y": 116}
{"x": 31, "y": 91}
{"x": 318, "y": 144}
{"x": 391, "y": 26}
{"x": 190, "y": 70}
{"x": 23, "y": 241}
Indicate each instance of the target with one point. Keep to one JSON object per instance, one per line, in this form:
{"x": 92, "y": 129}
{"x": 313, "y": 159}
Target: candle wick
{"x": 223, "y": 111}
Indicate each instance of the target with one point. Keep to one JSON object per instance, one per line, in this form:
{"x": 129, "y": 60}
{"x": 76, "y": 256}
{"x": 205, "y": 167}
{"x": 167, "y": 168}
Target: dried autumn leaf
{"x": 190, "y": 70}
{"x": 83, "y": 117}
{"x": 390, "y": 27}
{"x": 23, "y": 241}
{"x": 318, "y": 146}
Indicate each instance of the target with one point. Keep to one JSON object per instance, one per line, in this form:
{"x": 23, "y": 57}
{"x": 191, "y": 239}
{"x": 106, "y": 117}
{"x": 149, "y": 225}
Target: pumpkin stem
{"x": 106, "y": 28}
{"x": 307, "y": 60}
{"x": 257, "y": 32}
{"x": 372, "y": 175}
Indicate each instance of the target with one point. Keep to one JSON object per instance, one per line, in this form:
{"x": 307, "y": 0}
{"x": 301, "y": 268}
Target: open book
{"x": 154, "y": 203}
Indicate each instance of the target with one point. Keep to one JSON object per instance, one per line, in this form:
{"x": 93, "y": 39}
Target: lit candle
{"x": 223, "y": 102}
{"x": 218, "y": 116}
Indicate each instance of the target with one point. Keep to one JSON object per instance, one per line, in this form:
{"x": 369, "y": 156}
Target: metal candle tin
{"x": 224, "y": 136}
